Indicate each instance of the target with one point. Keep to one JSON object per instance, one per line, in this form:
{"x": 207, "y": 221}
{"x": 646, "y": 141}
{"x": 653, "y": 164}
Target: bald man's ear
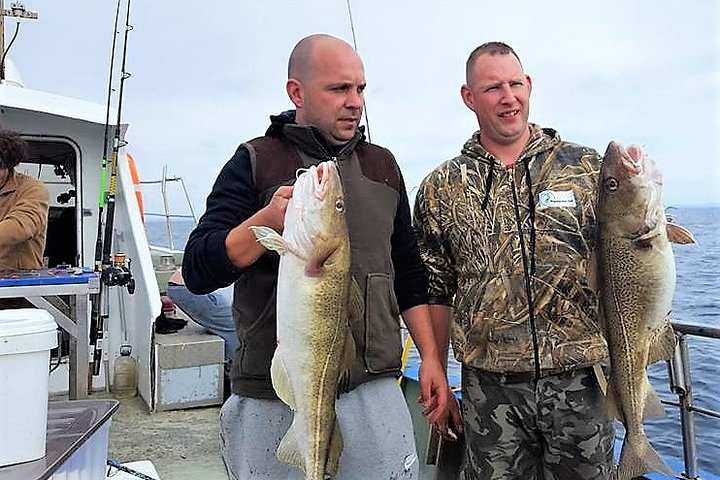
{"x": 294, "y": 91}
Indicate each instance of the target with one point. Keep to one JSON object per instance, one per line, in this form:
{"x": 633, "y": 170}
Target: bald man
{"x": 326, "y": 81}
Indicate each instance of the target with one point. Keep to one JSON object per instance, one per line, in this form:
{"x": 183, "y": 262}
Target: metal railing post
{"x": 681, "y": 384}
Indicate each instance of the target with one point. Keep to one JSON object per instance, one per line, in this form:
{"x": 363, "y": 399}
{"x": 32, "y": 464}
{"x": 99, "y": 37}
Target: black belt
{"x": 525, "y": 377}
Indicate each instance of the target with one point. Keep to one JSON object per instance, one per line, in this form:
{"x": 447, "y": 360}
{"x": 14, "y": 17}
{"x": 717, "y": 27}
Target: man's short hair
{"x": 491, "y": 48}
{"x": 13, "y": 149}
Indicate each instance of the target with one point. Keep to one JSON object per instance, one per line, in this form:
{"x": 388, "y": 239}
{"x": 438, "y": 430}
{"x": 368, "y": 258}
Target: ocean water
{"x": 697, "y": 301}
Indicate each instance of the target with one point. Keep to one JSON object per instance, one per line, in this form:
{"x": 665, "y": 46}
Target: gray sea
{"x": 697, "y": 300}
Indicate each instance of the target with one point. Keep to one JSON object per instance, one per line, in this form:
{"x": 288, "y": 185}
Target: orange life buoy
{"x": 136, "y": 183}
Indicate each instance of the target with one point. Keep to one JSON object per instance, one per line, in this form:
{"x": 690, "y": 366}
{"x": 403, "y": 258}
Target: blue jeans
{"x": 213, "y": 311}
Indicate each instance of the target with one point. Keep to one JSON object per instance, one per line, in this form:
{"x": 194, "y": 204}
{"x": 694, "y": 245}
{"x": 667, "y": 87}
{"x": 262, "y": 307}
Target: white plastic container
{"x": 26, "y": 337}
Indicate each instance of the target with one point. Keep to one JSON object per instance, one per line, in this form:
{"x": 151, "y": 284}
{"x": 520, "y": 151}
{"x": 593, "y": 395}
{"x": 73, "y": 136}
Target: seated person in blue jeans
{"x": 213, "y": 311}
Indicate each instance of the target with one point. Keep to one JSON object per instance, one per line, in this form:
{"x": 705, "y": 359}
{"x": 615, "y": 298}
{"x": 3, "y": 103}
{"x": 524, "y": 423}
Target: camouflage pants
{"x": 556, "y": 428}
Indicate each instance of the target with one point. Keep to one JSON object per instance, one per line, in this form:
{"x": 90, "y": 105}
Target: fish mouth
{"x": 324, "y": 179}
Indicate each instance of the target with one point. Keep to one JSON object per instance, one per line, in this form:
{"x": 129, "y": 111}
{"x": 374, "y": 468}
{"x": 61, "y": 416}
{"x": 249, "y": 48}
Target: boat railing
{"x": 167, "y": 214}
{"x": 681, "y": 385}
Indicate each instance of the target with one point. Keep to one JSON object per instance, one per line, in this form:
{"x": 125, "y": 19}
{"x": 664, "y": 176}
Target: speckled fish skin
{"x": 314, "y": 342}
{"x": 636, "y": 280}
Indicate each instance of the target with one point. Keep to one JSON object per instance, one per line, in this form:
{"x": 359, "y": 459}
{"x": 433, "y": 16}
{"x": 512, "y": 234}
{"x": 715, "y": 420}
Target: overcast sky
{"x": 206, "y": 75}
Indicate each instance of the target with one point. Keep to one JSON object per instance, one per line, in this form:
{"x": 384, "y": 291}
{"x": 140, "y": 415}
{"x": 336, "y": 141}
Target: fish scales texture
{"x": 636, "y": 281}
{"x": 314, "y": 342}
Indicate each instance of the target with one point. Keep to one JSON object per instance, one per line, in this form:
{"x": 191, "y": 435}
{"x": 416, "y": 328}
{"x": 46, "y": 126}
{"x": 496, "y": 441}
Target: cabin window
{"x": 55, "y": 163}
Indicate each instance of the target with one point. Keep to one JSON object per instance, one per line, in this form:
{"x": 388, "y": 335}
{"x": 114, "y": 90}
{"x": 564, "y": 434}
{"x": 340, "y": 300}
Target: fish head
{"x": 315, "y": 222}
{"x": 629, "y": 194}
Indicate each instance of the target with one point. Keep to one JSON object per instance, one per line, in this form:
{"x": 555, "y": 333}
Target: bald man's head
{"x": 302, "y": 55}
{"x": 326, "y": 81}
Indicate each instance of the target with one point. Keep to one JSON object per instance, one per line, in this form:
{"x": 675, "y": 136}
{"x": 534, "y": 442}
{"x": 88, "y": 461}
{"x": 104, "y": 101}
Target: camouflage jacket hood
{"x": 467, "y": 228}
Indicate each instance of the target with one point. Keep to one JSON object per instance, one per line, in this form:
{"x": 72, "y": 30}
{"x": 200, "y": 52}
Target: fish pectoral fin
{"x": 678, "y": 234}
{"x": 288, "y": 451}
{"x": 335, "y": 450}
{"x": 270, "y": 239}
{"x": 653, "y": 406}
{"x": 281, "y": 382}
{"x": 611, "y": 400}
{"x": 662, "y": 343}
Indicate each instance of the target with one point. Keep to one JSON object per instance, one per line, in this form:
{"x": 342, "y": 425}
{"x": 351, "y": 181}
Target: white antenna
{"x": 17, "y": 10}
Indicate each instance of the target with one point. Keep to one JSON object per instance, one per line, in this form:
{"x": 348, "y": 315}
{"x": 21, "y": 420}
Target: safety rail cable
{"x": 681, "y": 385}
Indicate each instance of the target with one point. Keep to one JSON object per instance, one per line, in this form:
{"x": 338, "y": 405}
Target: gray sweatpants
{"x": 375, "y": 424}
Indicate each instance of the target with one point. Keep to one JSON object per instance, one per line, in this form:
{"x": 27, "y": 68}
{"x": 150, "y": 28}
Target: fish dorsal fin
{"x": 662, "y": 343}
{"x": 335, "y": 450}
{"x": 270, "y": 239}
{"x": 653, "y": 406}
{"x": 678, "y": 234}
{"x": 356, "y": 310}
{"x": 356, "y": 304}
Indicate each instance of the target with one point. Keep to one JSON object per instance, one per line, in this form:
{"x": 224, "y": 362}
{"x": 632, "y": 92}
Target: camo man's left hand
{"x": 439, "y": 404}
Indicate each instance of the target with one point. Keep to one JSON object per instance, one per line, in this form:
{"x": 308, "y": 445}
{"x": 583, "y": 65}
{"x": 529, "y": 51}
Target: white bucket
{"x": 26, "y": 337}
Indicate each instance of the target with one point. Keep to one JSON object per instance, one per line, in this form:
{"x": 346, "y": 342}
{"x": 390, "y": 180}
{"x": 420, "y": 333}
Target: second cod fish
{"x": 315, "y": 346}
{"x": 637, "y": 281}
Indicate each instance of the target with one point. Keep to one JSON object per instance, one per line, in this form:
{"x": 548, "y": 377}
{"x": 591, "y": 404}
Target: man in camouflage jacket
{"x": 506, "y": 231}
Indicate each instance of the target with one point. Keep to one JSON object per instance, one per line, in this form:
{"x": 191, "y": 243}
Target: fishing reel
{"x": 118, "y": 273}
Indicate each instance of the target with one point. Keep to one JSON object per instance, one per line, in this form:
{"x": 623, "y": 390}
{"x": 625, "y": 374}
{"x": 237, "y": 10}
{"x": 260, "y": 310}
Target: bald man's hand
{"x": 275, "y": 210}
{"x": 241, "y": 245}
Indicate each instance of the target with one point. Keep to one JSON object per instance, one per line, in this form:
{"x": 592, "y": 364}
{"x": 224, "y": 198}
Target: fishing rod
{"x": 96, "y": 298}
{"x": 113, "y": 271}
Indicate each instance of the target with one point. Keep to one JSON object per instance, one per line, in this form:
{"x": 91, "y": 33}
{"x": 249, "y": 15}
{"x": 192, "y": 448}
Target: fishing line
{"x": 352, "y": 29}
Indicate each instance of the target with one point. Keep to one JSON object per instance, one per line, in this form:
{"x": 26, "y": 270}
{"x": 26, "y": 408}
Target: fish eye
{"x": 339, "y": 205}
{"x": 611, "y": 184}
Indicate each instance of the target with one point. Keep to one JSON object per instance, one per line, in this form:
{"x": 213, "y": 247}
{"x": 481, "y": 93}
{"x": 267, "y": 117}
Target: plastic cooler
{"x": 78, "y": 433}
{"x": 26, "y": 337}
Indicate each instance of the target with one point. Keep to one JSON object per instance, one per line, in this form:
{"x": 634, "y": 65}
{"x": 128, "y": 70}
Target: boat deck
{"x": 181, "y": 444}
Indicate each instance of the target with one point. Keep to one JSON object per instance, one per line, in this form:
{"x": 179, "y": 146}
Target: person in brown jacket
{"x": 23, "y": 209}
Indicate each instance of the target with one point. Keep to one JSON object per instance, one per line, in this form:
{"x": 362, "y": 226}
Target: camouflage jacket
{"x": 467, "y": 230}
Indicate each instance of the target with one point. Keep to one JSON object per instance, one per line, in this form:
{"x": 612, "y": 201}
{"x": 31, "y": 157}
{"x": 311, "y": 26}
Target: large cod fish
{"x": 636, "y": 270}
{"x": 315, "y": 346}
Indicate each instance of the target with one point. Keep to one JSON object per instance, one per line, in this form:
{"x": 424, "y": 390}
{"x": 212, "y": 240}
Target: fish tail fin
{"x": 639, "y": 457}
{"x": 336, "y": 448}
{"x": 289, "y": 451}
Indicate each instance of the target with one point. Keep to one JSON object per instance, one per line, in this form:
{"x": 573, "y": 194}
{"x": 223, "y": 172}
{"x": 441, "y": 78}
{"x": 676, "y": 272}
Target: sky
{"x": 207, "y": 75}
